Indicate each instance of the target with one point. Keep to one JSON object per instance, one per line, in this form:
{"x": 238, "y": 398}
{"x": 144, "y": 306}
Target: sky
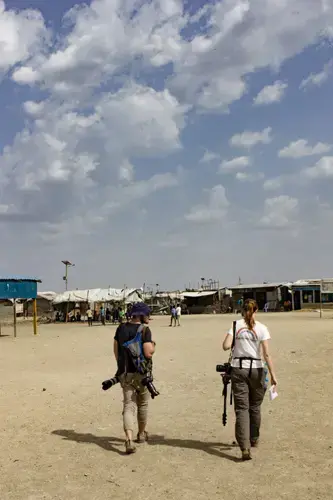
{"x": 162, "y": 141}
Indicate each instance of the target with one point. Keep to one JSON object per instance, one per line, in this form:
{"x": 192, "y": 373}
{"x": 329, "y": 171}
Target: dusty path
{"x": 65, "y": 442}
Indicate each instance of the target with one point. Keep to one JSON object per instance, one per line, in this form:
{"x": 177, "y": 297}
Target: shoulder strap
{"x": 233, "y": 334}
{"x": 142, "y": 329}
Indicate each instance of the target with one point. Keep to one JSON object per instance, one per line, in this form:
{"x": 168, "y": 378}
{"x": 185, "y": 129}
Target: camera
{"x": 147, "y": 381}
{"x": 107, "y": 384}
{"x": 225, "y": 368}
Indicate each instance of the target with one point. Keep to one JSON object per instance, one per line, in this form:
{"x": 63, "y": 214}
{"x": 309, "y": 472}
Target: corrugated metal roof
{"x": 260, "y": 285}
{"x": 315, "y": 281}
{"x": 199, "y": 294}
{"x": 19, "y": 278}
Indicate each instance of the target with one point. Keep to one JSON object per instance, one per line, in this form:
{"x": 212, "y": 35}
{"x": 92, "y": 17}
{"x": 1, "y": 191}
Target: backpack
{"x": 134, "y": 349}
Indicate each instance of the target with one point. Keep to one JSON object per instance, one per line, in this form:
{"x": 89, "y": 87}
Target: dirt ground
{"x": 61, "y": 435}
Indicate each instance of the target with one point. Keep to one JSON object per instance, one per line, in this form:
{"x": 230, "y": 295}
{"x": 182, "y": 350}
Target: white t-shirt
{"x": 247, "y": 343}
{"x": 178, "y": 311}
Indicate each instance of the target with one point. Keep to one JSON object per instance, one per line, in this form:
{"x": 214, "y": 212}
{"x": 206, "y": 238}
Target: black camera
{"x": 107, "y": 384}
{"x": 225, "y": 368}
{"x": 147, "y": 381}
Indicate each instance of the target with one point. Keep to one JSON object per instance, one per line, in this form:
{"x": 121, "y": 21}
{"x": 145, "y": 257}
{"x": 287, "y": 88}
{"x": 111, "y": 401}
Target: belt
{"x": 244, "y": 358}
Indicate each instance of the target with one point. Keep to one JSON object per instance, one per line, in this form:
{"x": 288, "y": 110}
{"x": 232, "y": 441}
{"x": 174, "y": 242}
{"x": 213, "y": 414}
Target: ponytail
{"x": 250, "y": 307}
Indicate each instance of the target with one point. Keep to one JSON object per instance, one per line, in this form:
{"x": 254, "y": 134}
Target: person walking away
{"x": 173, "y": 316}
{"x": 178, "y": 314}
{"x": 89, "y": 316}
{"x": 135, "y": 395}
{"x": 102, "y": 313}
{"x": 121, "y": 315}
{"x": 247, "y": 375}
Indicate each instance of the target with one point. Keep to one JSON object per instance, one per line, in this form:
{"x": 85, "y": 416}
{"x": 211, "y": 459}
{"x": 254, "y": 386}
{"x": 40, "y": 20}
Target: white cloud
{"x": 67, "y": 158}
{"x": 248, "y": 139}
{"x": 21, "y": 35}
{"x": 244, "y": 37}
{"x": 301, "y": 149}
{"x": 33, "y": 108}
{"x": 214, "y": 210}
{"x": 273, "y": 184}
{"x": 234, "y": 164}
{"x": 317, "y": 79}
{"x": 249, "y": 176}
{"x": 25, "y": 75}
{"x": 209, "y": 156}
{"x": 271, "y": 93}
{"x": 279, "y": 212}
{"x": 126, "y": 171}
{"x": 323, "y": 169}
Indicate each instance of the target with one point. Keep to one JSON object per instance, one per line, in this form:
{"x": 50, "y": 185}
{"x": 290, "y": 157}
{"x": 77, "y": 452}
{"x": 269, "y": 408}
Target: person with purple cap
{"x": 136, "y": 395}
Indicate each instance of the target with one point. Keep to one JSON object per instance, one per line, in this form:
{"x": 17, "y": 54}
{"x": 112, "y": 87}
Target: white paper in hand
{"x": 272, "y": 393}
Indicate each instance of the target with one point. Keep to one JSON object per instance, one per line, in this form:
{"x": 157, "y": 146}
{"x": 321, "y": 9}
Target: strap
{"x": 233, "y": 334}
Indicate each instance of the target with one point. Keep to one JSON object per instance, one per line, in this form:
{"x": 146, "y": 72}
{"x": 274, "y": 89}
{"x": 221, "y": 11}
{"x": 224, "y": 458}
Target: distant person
{"x": 115, "y": 315}
{"x": 173, "y": 315}
{"x": 178, "y": 314}
{"x": 89, "y": 316}
{"x": 102, "y": 314}
{"x": 107, "y": 314}
{"x": 248, "y": 376}
{"x": 121, "y": 315}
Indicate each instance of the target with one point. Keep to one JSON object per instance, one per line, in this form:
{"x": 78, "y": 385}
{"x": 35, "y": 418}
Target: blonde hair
{"x": 250, "y": 307}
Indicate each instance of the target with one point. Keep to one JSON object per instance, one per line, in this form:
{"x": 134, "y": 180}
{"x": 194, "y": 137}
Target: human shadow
{"x": 110, "y": 443}
{"x": 107, "y": 443}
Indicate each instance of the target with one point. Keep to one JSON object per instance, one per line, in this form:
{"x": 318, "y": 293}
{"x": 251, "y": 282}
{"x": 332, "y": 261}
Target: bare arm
{"x": 269, "y": 361}
{"x": 149, "y": 349}
{"x": 115, "y": 349}
{"x": 227, "y": 342}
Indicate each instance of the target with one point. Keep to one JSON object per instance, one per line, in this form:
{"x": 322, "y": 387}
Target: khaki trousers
{"x": 248, "y": 395}
{"x": 135, "y": 401}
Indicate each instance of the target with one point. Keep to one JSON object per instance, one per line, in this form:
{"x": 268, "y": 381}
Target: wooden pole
{"x": 34, "y": 305}
{"x": 14, "y": 311}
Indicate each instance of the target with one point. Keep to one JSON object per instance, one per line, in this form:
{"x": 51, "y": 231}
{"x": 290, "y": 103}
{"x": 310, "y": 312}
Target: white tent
{"x": 128, "y": 295}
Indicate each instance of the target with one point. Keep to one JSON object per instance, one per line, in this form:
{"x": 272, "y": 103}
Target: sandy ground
{"x": 61, "y": 435}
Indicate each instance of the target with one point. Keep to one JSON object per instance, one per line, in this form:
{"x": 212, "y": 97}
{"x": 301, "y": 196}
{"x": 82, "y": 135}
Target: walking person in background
{"x": 102, "y": 314}
{"x": 178, "y": 314}
{"x": 247, "y": 375}
{"x": 89, "y": 316}
{"x": 173, "y": 315}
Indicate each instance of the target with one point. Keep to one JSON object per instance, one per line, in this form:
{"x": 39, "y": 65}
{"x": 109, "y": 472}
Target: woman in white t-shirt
{"x": 247, "y": 375}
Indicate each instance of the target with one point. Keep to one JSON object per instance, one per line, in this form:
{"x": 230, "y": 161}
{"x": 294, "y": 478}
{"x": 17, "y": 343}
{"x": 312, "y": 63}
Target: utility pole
{"x": 67, "y": 264}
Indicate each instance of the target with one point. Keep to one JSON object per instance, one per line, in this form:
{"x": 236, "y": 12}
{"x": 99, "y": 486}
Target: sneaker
{"x": 255, "y": 443}
{"x": 246, "y": 455}
{"x": 142, "y": 437}
{"x": 130, "y": 448}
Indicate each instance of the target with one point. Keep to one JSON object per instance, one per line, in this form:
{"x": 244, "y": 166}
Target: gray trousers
{"x": 248, "y": 395}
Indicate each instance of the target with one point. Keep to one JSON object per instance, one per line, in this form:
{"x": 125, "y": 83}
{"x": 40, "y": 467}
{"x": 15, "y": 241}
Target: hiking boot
{"x": 255, "y": 443}
{"x": 246, "y": 455}
{"x": 130, "y": 448}
{"x": 142, "y": 437}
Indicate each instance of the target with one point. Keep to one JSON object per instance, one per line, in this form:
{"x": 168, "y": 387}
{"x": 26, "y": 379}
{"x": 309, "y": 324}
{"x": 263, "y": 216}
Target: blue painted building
{"x": 18, "y": 287}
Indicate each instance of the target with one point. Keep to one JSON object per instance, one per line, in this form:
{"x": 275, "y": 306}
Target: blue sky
{"x": 152, "y": 142}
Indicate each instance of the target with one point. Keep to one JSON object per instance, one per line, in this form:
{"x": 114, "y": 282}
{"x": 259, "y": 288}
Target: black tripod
{"x": 226, "y": 379}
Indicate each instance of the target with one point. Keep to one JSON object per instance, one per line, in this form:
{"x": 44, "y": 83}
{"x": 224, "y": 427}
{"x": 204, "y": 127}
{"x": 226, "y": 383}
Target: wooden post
{"x": 14, "y": 311}
{"x": 34, "y": 305}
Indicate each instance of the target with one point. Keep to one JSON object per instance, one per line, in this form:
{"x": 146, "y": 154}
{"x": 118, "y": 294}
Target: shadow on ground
{"x": 113, "y": 443}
